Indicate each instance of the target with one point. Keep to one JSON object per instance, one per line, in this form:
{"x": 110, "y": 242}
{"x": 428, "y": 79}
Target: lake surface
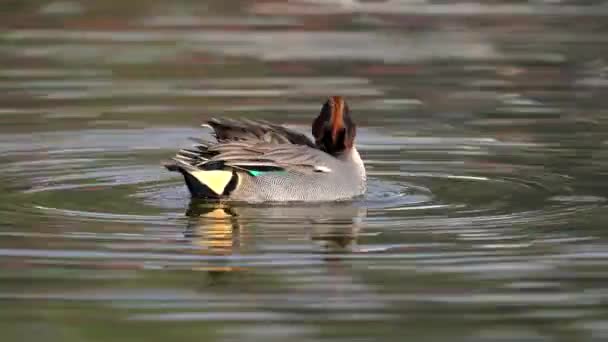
{"x": 484, "y": 129}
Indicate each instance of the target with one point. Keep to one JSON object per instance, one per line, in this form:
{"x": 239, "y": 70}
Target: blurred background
{"x": 484, "y": 128}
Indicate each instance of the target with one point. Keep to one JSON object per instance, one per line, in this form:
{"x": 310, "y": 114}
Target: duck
{"x": 259, "y": 161}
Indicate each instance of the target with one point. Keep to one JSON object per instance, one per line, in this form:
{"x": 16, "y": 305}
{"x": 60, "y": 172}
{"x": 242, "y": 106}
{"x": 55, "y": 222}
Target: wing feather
{"x": 248, "y": 144}
{"x": 262, "y": 131}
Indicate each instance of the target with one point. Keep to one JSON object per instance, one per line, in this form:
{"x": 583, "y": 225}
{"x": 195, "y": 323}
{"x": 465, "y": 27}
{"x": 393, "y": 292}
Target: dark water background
{"x": 484, "y": 128}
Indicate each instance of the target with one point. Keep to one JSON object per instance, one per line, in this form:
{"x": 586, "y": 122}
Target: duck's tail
{"x": 205, "y": 183}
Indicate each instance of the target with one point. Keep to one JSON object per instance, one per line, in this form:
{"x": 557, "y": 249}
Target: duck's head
{"x": 333, "y": 129}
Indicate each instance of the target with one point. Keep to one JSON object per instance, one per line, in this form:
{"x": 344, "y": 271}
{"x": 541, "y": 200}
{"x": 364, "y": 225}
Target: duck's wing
{"x": 226, "y": 130}
{"x": 254, "y": 157}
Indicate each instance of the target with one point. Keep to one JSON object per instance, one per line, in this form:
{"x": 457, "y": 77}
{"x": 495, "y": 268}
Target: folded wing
{"x": 252, "y": 146}
{"x": 262, "y": 131}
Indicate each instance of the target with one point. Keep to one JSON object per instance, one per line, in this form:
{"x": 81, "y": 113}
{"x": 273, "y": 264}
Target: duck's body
{"x": 259, "y": 162}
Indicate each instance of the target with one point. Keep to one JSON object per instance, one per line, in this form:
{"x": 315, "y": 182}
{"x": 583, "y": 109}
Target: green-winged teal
{"x": 257, "y": 161}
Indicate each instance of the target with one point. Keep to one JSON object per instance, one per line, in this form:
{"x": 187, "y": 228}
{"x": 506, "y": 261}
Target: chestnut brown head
{"x": 333, "y": 129}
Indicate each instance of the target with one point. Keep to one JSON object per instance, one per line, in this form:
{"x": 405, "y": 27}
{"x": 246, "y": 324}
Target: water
{"x": 483, "y": 128}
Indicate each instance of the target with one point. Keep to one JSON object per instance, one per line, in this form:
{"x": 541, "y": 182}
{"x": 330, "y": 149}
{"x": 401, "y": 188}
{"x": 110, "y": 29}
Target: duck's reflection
{"x": 213, "y": 228}
{"x": 225, "y": 229}
{"x": 278, "y": 257}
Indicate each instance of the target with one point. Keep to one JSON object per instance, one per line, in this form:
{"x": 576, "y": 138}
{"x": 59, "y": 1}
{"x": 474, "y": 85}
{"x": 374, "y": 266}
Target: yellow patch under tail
{"x": 216, "y": 180}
